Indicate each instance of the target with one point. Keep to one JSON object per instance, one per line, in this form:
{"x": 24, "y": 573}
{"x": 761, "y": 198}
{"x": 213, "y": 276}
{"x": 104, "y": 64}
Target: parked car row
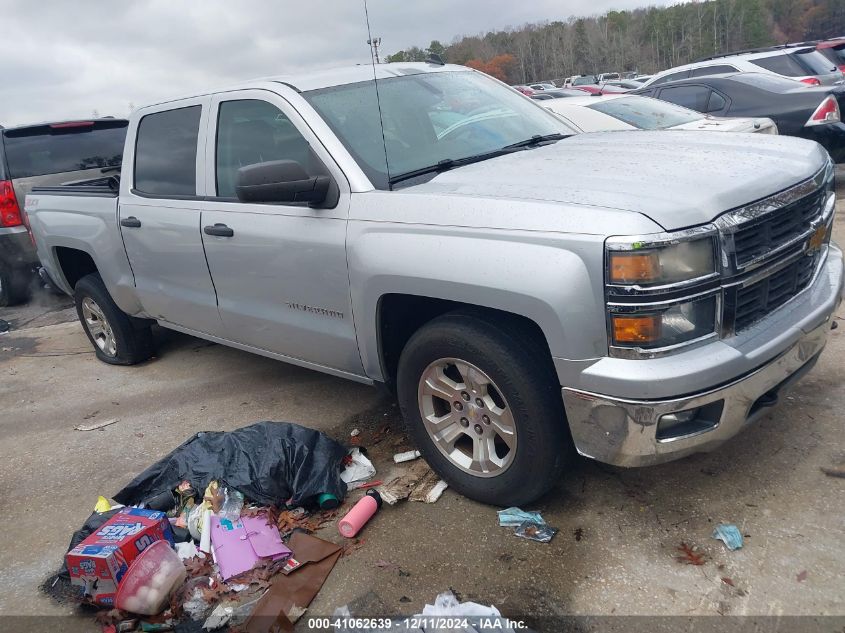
{"x": 67, "y": 152}
{"x": 809, "y": 112}
{"x": 799, "y": 87}
{"x": 807, "y": 64}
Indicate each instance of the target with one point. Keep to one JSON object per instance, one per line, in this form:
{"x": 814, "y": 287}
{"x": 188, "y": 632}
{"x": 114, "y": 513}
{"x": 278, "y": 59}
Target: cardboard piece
{"x": 99, "y": 563}
{"x": 289, "y": 595}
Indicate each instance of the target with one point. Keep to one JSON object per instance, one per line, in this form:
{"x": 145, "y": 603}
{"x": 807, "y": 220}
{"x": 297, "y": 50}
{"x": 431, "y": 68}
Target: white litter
{"x": 447, "y": 605}
{"x": 187, "y": 550}
{"x": 95, "y": 425}
{"x": 406, "y": 456}
{"x": 358, "y": 471}
{"x": 219, "y": 617}
{"x": 434, "y": 494}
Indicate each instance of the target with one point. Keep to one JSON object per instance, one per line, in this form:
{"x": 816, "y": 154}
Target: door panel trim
{"x": 275, "y": 356}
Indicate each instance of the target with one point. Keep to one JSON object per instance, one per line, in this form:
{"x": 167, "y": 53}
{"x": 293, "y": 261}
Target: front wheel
{"x": 484, "y": 408}
{"x": 118, "y": 339}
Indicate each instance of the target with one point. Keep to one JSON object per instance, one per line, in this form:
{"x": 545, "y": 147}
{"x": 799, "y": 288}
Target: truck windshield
{"x": 64, "y": 147}
{"x": 645, "y": 113}
{"x": 429, "y": 118}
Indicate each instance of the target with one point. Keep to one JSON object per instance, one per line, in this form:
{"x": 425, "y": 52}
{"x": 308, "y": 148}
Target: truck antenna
{"x": 378, "y": 97}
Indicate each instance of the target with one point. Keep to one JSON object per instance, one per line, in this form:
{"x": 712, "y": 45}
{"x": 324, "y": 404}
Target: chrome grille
{"x": 754, "y": 302}
{"x": 773, "y": 230}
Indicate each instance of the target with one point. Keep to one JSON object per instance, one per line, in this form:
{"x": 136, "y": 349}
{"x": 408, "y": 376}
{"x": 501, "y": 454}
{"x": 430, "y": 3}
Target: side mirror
{"x": 280, "y": 181}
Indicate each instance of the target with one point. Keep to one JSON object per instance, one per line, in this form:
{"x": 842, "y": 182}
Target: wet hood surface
{"x": 678, "y": 179}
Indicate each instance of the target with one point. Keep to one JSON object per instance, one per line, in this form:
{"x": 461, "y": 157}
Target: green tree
{"x": 436, "y": 48}
{"x": 400, "y": 56}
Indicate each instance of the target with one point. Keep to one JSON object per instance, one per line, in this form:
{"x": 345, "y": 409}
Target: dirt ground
{"x": 620, "y": 529}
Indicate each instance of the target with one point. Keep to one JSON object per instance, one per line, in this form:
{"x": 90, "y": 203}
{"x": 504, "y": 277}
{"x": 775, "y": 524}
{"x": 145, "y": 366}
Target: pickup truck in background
{"x": 64, "y": 152}
{"x": 638, "y": 296}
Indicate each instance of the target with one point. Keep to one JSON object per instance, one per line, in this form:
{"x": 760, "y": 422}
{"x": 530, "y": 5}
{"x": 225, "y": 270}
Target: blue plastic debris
{"x": 514, "y": 517}
{"x": 729, "y": 534}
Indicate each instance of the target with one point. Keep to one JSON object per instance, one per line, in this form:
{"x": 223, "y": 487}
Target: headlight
{"x": 646, "y": 265}
{"x": 679, "y": 323}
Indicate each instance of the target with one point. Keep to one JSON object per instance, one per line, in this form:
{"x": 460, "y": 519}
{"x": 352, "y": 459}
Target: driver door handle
{"x": 131, "y": 222}
{"x": 219, "y": 230}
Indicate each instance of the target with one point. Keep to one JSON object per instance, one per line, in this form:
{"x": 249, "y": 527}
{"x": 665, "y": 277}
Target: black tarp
{"x": 270, "y": 463}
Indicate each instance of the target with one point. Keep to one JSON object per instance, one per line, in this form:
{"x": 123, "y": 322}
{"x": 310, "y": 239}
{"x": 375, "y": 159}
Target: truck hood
{"x": 678, "y": 179}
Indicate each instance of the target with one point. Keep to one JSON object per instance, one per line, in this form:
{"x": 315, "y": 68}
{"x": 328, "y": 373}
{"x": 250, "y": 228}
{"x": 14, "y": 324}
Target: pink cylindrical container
{"x": 360, "y": 513}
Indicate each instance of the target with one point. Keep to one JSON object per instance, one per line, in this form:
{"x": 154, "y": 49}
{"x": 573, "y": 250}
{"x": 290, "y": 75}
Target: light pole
{"x": 375, "y": 43}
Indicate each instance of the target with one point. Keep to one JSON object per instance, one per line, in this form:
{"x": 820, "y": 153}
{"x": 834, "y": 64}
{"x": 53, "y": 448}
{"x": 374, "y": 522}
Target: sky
{"x": 63, "y": 60}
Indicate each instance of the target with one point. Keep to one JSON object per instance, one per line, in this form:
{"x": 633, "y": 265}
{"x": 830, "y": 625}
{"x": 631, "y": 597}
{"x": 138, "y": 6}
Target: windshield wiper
{"x": 450, "y": 163}
{"x": 536, "y": 140}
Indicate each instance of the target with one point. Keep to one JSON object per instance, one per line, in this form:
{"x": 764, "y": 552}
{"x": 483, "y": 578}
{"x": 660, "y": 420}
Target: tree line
{"x": 646, "y": 40}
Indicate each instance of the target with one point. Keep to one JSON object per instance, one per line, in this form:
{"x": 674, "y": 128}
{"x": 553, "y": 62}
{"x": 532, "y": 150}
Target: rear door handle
{"x": 131, "y": 222}
{"x": 219, "y": 230}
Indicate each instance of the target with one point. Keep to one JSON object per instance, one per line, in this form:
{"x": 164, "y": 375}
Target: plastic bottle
{"x": 360, "y": 513}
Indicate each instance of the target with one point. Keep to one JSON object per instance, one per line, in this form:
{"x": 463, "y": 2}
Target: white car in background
{"x": 632, "y": 112}
{"x": 801, "y": 63}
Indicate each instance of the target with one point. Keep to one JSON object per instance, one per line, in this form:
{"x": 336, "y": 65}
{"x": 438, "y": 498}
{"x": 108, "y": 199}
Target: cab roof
{"x": 328, "y": 78}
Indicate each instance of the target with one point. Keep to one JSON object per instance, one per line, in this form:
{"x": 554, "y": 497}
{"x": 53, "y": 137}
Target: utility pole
{"x": 375, "y": 43}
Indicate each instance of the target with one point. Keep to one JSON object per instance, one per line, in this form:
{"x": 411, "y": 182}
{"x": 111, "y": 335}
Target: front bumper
{"x": 623, "y": 431}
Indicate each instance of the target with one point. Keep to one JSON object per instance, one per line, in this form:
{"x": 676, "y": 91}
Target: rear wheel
{"x": 484, "y": 408}
{"x": 118, "y": 339}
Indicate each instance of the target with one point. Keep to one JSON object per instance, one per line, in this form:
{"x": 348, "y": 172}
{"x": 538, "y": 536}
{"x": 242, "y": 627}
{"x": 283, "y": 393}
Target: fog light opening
{"x": 672, "y": 426}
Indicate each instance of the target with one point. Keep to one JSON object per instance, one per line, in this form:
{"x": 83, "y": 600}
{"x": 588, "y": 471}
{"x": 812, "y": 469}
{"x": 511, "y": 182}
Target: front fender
{"x": 552, "y": 279}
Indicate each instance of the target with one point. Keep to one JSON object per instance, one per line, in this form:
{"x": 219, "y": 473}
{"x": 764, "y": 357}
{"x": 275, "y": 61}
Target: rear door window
{"x": 815, "y": 62}
{"x": 64, "y": 147}
{"x": 166, "y": 152}
{"x": 784, "y": 65}
{"x": 707, "y": 71}
{"x": 673, "y": 77}
{"x": 717, "y": 103}
{"x": 692, "y": 97}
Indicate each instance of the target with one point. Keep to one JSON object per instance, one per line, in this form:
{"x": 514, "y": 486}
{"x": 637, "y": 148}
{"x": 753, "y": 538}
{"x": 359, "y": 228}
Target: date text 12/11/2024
{"x": 415, "y": 623}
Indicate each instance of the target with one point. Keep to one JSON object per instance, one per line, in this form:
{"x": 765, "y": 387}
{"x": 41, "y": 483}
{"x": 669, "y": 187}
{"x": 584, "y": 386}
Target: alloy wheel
{"x": 98, "y": 327}
{"x": 467, "y": 417}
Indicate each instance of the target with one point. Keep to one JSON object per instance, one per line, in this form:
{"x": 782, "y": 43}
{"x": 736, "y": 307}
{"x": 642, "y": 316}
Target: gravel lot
{"x": 619, "y": 529}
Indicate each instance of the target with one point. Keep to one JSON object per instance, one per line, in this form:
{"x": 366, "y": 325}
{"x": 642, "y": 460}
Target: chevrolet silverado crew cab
{"x": 638, "y": 296}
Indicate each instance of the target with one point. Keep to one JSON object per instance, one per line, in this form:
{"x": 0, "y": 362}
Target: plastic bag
{"x": 270, "y": 463}
{"x": 729, "y": 534}
{"x": 359, "y": 470}
{"x": 512, "y": 517}
{"x": 233, "y": 503}
{"x": 535, "y": 531}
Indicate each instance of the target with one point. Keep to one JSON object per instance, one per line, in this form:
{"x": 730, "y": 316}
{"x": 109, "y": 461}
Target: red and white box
{"x": 99, "y": 563}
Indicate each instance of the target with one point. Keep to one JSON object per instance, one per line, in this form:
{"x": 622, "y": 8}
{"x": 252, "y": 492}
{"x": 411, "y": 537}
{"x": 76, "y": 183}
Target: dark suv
{"x": 71, "y": 152}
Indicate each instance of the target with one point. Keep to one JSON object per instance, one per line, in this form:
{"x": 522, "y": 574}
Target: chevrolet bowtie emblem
{"x": 816, "y": 240}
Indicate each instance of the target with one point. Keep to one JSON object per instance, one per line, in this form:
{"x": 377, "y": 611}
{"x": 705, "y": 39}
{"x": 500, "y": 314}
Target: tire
{"x": 478, "y": 456}
{"x": 15, "y": 286}
{"x": 118, "y": 338}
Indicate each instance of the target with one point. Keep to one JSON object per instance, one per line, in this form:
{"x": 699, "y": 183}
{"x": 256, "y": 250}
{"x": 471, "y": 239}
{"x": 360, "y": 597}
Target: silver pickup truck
{"x": 636, "y": 296}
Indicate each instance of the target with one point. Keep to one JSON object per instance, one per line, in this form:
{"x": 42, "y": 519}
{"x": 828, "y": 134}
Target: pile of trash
{"x": 218, "y": 532}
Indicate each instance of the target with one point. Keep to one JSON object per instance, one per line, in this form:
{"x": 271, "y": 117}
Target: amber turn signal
{"x": 627, "y": 268}
{"x": 636, "y": 329}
